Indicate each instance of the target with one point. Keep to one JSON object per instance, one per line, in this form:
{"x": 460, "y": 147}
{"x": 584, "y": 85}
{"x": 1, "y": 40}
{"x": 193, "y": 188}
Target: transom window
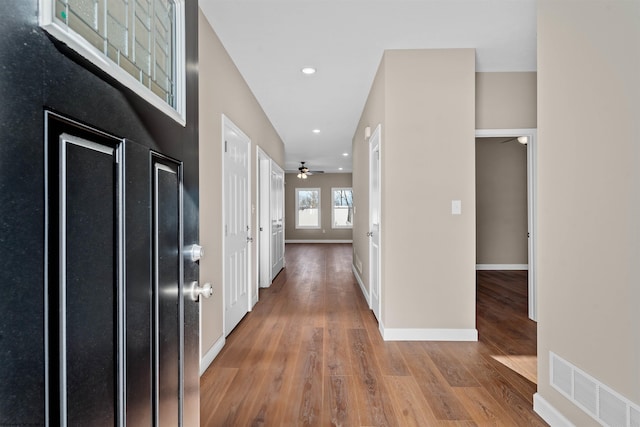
{"x": 341, "y": 208}
{"x": 138, "y": 42}
{"x": 307, "y": 208}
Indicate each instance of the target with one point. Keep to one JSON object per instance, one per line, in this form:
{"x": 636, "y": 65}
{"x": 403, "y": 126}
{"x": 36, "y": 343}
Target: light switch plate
{"x": 456, "y": 207}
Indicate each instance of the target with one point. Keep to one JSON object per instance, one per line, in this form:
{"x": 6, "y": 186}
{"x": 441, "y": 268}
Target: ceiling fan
{"x": 521, "y": 139}
{"x": 304, "y": 172}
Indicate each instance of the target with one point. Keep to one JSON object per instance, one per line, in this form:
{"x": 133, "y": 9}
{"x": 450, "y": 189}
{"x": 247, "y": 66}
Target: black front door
{"x": 98, "y": 201}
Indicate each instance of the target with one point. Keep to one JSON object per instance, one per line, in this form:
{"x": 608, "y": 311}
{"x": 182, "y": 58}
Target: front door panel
{"x": 84, "y": 281}
{"x": 167, "y": 292}
{"x": 89, "y": 281}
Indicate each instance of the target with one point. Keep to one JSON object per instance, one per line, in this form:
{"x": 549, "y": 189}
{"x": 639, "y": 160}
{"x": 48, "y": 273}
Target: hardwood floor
{"x": 310, "y": 354}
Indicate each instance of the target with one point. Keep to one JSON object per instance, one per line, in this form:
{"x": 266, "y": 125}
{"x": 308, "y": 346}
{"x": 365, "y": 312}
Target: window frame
{"x": 297, "y": 205}
{"x": 333, "y": 208}
{"x": 51, "y": 24}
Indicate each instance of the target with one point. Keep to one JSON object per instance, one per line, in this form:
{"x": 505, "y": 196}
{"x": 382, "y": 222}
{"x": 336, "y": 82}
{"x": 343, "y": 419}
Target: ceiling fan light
{"x": 304, "y": 176}
{"x": 523, "y": 139}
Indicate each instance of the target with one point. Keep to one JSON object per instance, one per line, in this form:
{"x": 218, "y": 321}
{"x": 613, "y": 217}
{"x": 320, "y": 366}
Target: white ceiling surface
{"x": 270, "y": 41}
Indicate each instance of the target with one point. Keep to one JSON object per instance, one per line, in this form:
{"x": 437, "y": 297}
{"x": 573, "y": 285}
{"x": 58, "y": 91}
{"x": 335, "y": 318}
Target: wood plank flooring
{"x": 310, "y": 354}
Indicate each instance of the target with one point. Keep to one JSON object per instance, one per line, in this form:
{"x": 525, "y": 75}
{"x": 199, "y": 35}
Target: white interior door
{"x": 277, "y": 219}
{"x": 264, "y": 219}
{"x": 237, "y": 266}
{"x": 532, "y": 234}
{"x": 374, "y": 222}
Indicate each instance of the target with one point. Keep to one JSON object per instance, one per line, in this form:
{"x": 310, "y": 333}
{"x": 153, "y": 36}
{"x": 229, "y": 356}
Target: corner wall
{"x": 589, "y": 195}
{"x": 495, "y": 95}
{"x": 223, "y": 91}
{"x": 427, "y": 160}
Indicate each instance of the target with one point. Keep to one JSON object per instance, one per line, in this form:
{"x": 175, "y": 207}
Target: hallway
{"x": 310, "y": 354}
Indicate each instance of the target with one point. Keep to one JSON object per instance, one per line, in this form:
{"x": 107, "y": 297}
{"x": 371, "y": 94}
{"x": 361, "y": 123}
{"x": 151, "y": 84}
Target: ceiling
{"x": 270, "y": 42}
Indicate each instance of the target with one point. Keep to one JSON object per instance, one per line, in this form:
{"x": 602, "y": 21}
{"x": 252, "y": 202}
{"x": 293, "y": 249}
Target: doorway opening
{"x": 506, "y": 204}
{"x": 505, "y": 246}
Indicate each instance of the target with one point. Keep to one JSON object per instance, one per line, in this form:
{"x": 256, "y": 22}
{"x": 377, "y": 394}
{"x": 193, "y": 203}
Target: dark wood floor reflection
{"x": 310, "y": 354}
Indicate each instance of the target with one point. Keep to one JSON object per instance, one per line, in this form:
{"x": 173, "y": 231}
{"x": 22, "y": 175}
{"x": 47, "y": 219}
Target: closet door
{"x": 277, "y": 219}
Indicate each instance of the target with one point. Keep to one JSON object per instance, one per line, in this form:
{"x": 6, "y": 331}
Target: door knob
{"x": 197, "y": 291}
{"x": 196, "y": 252}
{"x": 370, "y": 233}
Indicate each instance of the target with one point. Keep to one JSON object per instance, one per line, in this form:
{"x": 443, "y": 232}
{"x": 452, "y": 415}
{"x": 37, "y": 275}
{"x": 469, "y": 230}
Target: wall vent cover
{"x": 586, "y": 392}
{"x": 592, "y": 396}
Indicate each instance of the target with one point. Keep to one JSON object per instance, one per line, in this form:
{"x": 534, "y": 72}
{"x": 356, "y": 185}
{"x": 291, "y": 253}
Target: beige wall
{"x": 501, "y": 202}
{"x": 325, "y": 182}
{"x": 223, "y": 91}
{"x": 589, "y": 194}
{"x": 506, "y": 100}
{"x": 428, "y": 255}
{"x": 372, "y": 115}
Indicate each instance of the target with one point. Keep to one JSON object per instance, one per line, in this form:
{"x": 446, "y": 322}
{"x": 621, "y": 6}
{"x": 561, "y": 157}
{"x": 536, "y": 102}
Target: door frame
{"x": 263, "y": 186}
{"x": 532, "y": 203}
{"x": 377, "y": 132}
{"x": 226, "y": 122}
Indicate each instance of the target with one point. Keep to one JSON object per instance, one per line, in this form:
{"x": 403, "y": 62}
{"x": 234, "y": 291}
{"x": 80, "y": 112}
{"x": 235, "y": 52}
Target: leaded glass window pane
{"x": 138, "y": 35}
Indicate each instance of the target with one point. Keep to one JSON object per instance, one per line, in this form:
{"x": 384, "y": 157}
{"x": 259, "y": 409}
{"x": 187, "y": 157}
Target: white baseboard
{"x": 548, "y": 413}
{"x": 207, "y": 359}
{"x": 318, "y": 241}
{"x": 362, "y": 287}
{"x": 411, "y": 334}
{"x": 502, "y": 266}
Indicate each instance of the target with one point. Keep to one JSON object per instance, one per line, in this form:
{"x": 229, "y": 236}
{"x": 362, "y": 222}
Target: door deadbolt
{"x": 196, "y": 253}
{"x": 197, "y": 291}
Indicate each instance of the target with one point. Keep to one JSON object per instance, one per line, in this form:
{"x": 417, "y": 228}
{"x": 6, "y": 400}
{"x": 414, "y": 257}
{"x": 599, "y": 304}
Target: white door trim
{"x": 226, "y": 122}
{"x": 532, "y": 202}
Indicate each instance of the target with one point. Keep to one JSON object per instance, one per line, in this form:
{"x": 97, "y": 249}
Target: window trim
{"x": 75, "y": 41}
{"x": 296, "y": 207}
{"x": 333, "y": 209}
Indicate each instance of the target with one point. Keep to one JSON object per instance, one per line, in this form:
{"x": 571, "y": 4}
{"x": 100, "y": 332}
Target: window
{"x": 307, "y": 208}
{"x": 138, "y": 42}
{"x": 341, "y": 208}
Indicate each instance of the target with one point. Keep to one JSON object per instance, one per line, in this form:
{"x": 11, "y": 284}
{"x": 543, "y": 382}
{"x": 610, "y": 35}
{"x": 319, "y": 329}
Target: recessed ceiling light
{"x": 316, "y": 131}
{"x": 339, "y": 169}
{"x": 309, "y": 70}
{"x": 345, "y": 154}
